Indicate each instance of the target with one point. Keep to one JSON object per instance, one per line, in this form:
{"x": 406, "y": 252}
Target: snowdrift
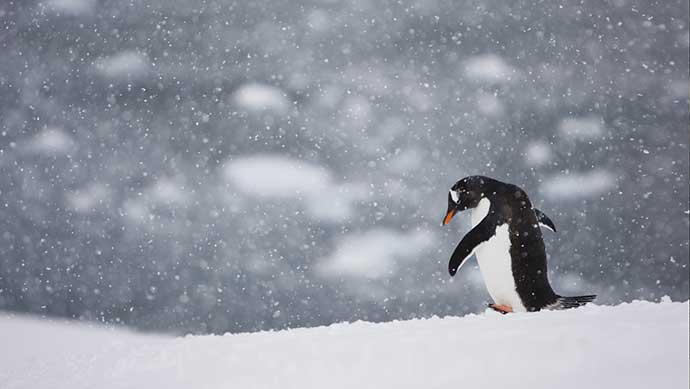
{"x": 637, "y": 345}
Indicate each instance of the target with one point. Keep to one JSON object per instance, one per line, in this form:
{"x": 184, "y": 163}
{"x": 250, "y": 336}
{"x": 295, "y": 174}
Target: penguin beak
{"x": 449, "y": 215}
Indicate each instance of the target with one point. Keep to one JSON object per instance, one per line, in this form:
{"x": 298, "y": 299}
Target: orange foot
{"x": 501, "y": 308}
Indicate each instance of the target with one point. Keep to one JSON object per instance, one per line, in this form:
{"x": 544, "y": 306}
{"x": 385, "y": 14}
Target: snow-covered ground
{"x": 637, "y": 345}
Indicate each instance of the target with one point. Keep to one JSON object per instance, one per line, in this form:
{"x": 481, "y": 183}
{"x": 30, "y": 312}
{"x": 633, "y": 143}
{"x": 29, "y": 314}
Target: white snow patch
{"x": 72, "y": 7}
{"x": 136, "y": 210}
{"x": 537, "y": 153}
{"x": 127, "y": 64}
{"x": 318, "y": 20}
{"x": 419, "y": 98}
{"x": 583, "y": 128}
{"x": 637, "y": 345}
{"x": 276, "y": 176}
{"x": 164, "y": 193}
{"x": 256, "y": 97}
{"x": 167, "y": 191}
{"x": 488, "y": 68}
{"x": 335, "y": 203}
{"x": 282, "y": 178}
{"x": 575, "y": 186}
{"x": 374, "y": 254}
{"x": 87, "y": 199}
{"x": 489, "y": 104}
{"x": 51, "y": 142}
{"x": 570, "y": 284}
{"x": 407, "y": 161}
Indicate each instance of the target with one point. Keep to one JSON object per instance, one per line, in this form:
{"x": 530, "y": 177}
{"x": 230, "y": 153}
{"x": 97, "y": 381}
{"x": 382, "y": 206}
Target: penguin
{"x": 506, "y": 239}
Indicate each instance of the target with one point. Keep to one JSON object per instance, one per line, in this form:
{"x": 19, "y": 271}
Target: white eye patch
{"x": 454, "y": 195}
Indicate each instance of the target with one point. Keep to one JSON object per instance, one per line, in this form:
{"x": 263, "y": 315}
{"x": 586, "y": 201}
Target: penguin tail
{"x": 572, "y": 302}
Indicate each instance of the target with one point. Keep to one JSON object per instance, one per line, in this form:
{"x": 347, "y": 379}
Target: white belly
{"x": 495, "y": 263}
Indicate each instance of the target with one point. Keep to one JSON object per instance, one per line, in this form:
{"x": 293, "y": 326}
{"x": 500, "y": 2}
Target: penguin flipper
{"x": 544, "y": 220}
{"x": 478, "y": 235}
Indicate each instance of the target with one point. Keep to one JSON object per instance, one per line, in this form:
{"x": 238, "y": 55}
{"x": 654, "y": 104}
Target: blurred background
{"x": 213, "y": 166}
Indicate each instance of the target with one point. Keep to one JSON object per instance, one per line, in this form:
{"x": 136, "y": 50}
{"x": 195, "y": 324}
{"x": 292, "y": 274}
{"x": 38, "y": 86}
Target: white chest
{"x": 495, "y": 262}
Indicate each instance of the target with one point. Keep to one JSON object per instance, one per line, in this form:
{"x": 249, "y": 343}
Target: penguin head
{"x": 465, "y": 194}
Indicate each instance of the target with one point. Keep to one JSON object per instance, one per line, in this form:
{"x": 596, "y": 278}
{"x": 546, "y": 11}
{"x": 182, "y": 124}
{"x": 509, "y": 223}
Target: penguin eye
{"x": 454, "y": 195}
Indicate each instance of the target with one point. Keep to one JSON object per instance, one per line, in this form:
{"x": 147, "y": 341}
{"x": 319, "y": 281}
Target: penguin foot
{"x": 501, "y": 308}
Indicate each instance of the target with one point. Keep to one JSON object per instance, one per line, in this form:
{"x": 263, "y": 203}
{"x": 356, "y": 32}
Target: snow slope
{"x": 637, "y": 345}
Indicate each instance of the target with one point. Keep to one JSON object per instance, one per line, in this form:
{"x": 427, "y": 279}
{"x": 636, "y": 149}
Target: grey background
{"x": 397, "y": 99}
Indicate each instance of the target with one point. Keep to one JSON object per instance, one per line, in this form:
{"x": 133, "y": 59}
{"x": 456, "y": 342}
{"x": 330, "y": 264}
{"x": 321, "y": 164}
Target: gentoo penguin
{"x": 507, "y": 242}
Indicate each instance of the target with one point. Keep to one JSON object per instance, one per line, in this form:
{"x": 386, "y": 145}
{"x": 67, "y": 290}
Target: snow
{"x": 72, "y": 7}
{"x": 279, "y": 177}
{"x": 318, "y": 20}
{"x": 575, "y": 186}
{"x": 51, "y": 142}
{"x": 167, "y": 191}
{"x": 124, "y": 65}
{"x": 164, "y": 193}
{"x": 255, "y": 97}
{"x": 276, "y": 176}
{"x": 330, "y": 96}
{"x": 85, "y": 200}
{"x": 358, "y": 110}
{"x": 136, "y": 210}
{"x": 406, "y": 161}
{"x": 537, "y": 153}
{"x": 489, "y": 104}
{"x": 583, "y": 128}
{"x": 375, "y": 253}
{"x": 636, "y": 345}
{"x": 489, "y": 68}
{"x": 336, "y": 202}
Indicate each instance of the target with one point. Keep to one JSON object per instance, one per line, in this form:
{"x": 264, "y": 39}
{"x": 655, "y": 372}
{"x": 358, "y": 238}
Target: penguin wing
{"x": 478, "y": 235}
{"x": 544, "y": 220}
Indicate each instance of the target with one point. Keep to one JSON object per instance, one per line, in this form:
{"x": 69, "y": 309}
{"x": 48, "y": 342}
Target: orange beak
{"x": 449, "y": 216}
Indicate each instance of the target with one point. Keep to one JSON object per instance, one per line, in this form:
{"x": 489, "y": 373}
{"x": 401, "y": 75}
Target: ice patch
{"x": 167, "y": 191}
{"x": 280, "y": 177}
{"x": 164, "y": 193}
{"x": 136, "y": 210}
{"x": 72, "y": 7}
{"x": 127, "y": 64}
{"x": 406, "y": 161}
{"x": 584, "y": 128}
{"x": 318, "y": 20}
{"x": 51, "y": 142}
{"x": 87, "y": 199}
{"x": 374, "y": 254}
{"x": 256, "y": 97}
{"x": 488, "y": 68}
{"x": 276, "y": 176}
{"x": 570, "y": 284}
{"x": 335, "y": 203}
{"x": 537, "y": 153}
{"x": 489, "y": 104}
{"x": 575, "y": 186}
{"x": 421, "y": 99}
